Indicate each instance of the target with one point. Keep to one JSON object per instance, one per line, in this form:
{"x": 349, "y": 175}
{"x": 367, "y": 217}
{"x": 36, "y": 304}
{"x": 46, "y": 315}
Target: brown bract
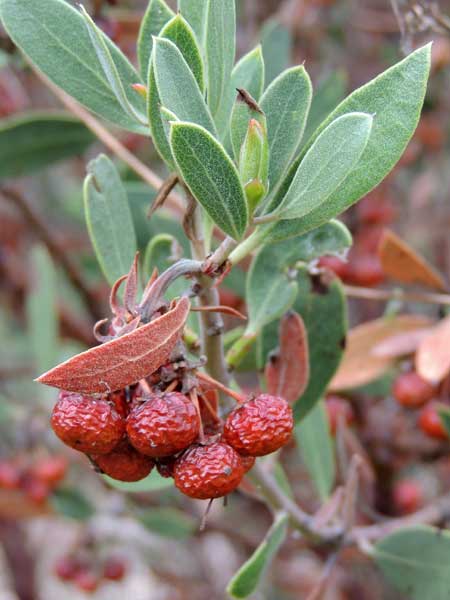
{"x": 122, "y": 361}
{"x": 287, "y": 372}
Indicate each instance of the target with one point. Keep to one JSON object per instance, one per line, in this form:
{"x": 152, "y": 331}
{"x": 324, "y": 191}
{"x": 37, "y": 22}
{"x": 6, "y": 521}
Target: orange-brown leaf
{"x": 360, "y": 365}
{"x": 122, "y": 361}
{"x": 433, "y": 354}
{"x": 402, "y": 263}
{"x": 287, "y": 371}
{"x": 401, "y": 344}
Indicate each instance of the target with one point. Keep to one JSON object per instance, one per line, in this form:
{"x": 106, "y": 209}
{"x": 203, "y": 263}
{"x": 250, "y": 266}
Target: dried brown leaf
{"x": 433, "y": 354}
{"x": 360, "y": 365}
{"x": 287, "y": 371}
{"x": 122, "y": 361}
{"x": 402, "y": 263}
{"x": 401, "y": 344}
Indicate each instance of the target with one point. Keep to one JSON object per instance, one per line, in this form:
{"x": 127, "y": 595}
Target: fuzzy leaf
{"x": 152, "y": 483}
{"x": 432, "y": 357}
{"x": 161, "y": 252}
{"x": 178, "y": 32}
{"x": 276, "y": 44}
{"x": 246, "y": 580}
{"x": 316, "y": 448}
{"x": 327, "y": 94}
{"x": 156, "y": 16}
{"x": 220, "y": 44}
{"x": 211, "y": 176}
{"x": 122, "y": 361}
{"x": 168, "y": 522}
{"x": 244, "y": 110}
{"x": 331, "y": 238}
{"x": 323, "y": 306}
{"x": 326, "y": 164}
{"x": 195, "y": 14}
{"x": 415, "y": 561}
{"x": 286, "y": 104}
{"x": 396, "y": 96}
{"x": 287, "y": 371}
{"x": 177, "y": 86}
{"x": 54, "y": 36}
{"x": 108, "y": 218}
{"x": 35, "y": 140}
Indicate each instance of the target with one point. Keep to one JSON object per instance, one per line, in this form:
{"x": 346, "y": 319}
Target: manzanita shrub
{"x": 159, "y": 391}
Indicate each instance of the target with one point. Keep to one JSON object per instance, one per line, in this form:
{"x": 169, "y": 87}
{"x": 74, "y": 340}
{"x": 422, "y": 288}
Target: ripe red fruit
{"x": 365, "y": 270}
{"x": 114, "y": 568}
{"x": 35, "y": 490}
{"x": 124, "y": 463}
{"x": 407, "y": 496}
{"x": 375, "y": 209}
{"x": 260, "y": 426}
{"x": 163, "y": 425}
{"x": 335, "y": 264}
{"x": 165, "y": 466}
{"x": 411, "y": 390}
{"x": 211, "y": 471}
{"x": 50, "y": 470}
{"x": 338, "y": 408}
{"x": 247, "y": 462}
{"x": 86, "y": 580}
{"x": 66, "y": 568}
{"x": 430, "y": 422}
{"x": 87, "y": 424}
{"x": 9, "y": 475}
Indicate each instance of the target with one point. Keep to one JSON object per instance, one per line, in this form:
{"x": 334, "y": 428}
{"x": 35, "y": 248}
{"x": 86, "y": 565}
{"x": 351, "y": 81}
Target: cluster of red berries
{"x": 87, "y": 573}
{"x": 127, "y": 433}
{"x": 363, "y": 266}
{"x": 36, "y": 479}
{"x": 411, "y": 391}
{"x": 338, "y": 409}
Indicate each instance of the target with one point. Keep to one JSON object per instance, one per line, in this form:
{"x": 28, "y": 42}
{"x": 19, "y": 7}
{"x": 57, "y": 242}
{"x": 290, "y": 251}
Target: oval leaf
{"x": 402, "y": 263}
{"x": 287, "y": 371}
{"x": 195, "y": 14}
{"x": 326, "y": 164}
{"x": 211, "y": 176}
{"x": 122, "y": 361}
{"x": 433, "y": 356}
{"x": 246, "y": 580}
{"x": 55, "y": 37}
{"x": 156, "y": 16}
{"x": 276, "y": 41}
{"x": 152, "y": 483}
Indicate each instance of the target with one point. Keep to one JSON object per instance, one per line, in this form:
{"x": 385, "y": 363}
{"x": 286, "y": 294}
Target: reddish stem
{"x": 204, "y": 377}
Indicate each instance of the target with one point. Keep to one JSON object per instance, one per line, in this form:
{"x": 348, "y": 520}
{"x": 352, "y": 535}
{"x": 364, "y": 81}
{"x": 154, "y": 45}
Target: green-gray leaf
{"x": 323, "y": 308}
{"x": 328, "y": 93}
{"x": 240, "y": 117}
{"x": 156, "y": 16}
{"x": 327, "y": 163}
{"x": 71, "y": 503}
{"x": 34, "y": 140}
{"x": 42, "y": 317}
{"x": 220, "y": 45}
{"x": 246, "y": 580}
{"x": 195, "y": 14}
{"x": 211, "y": 176}
{"x": 286, "y": 104}
{"x": 161, "y": 252}
{"x": 108, "y": 218}
{"x": 152, "y": 483}
{"x": 54, "y": 36}
{"x": 168, "y": 522}
{"x": 177, "y": 86}
{"x": 415, "y": 561}
{"x": 395, "y": 97}
{"x": 331, "y": 238}
{"x": 316, "y": 448}
{"x": 276, "y": 43}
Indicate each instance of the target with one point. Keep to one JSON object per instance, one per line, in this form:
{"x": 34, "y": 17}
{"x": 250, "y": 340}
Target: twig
{"x": 351, "y": 492}
{"x": 223, "y": 388}
{"x": 384, "y": 295}
{"x": 163, "y": 193}
{"x": 45, "y": 234}
{"x": 174, "y": 201}
{"x": 320, "y": 587}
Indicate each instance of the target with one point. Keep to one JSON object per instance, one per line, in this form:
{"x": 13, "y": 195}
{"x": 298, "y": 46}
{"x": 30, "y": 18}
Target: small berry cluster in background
{"x": 87, "y": 571}
{"x": 36, "y": 479}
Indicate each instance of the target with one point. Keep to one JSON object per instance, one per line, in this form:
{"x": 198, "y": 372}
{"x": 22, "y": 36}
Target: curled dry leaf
{"x": 401, "y": 344}
{"x": 433, "y": 354}
{"x": 122, "y": 361}
{"x": 287, "y": 371}
{"x": 402, "y": 263}
{"x": 360, "y": 365}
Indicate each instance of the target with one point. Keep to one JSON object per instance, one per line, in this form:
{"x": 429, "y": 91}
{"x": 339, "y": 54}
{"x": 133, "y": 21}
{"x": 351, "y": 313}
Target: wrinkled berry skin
{"x": 124, "y": 463}
{"x": 163, "y": 425}
{"x": 411, "y": 390}
{"x": 87, "y": 424}
{"x": 205, "y": 472}
{"x": 260, "y": 426}
{"x": 248, "y": 462}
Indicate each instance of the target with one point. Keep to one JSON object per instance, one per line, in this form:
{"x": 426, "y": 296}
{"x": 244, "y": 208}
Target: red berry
{"x": 335, "y": 264}
{"x": 119, "y": 400}
{"x": 66, "y": 568}
{"x": 411, "y": 390}
{"x": 114, "y": 568}
{"x": 124, "y": 463}
{"x": 50, "y": 470}
{"x": 430, "y": 422}
{"x": 211, "y": 471}
{"x": 260, "y": 426}
{"x": 87, "y": 581}
{"x": 9, "y": 475}
{"x": 364, "y": 270}
{"x": 87, "y": 424}
{"x": 338, "y": 408}
{"x": 163, "y": 425}
{"x": 165, "y": 466}
{"x": 35, "y": 490}
{"x": 375, "y": 209}
{"x": 407, "y": 496}
{"x": 247, "y": 462}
